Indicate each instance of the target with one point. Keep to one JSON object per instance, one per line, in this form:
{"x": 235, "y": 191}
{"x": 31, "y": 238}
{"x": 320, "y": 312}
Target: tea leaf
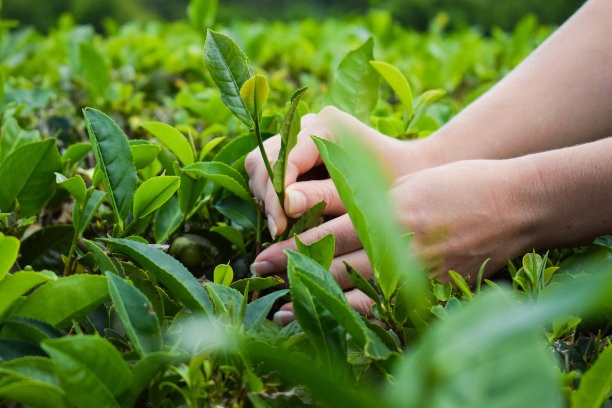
{"x": 189, "y": 191}
{"x": 14, "y": 136}
{"x": 17, "y": 285}
{"x": 153, "y": 193}
{"x": 254, "y": 93}
{"x": 144, "y": 154}
{"x": 44, "y": 248}
{"x": 326, "y": 290}
{"x": 354, "y": 88}
{"x": 397, "y": 81}
{"x": 595, "y": 384}
{"x": 75, "y": 186}
{"x": 94, "y": 70}
{"x": 201, "y": 13}
{"x": 103, "y": 262}
{"x": 93, "y": 202}
{"x": 223, "y": 274}
{"x": 231, "y": 234}
{"x": 256, "y": 283}
{"x": 230, "y": 69}
{"x": 172, "y": 139}
{"x": 289, "y": 131}
{"x": 461, "y": 284}
{"x": 75, "y": 152}
{"x": 360, "y": 283}
{"x": 114, "y": 159}
{"x": 90, "y": 369}
{"x": 257, "y": 310}
{"x": 59, "y": 302}
{"x": 28, "y": 175}
{"x": 224, "y": 176}
{"x": 167, "y": 219}
{"x": 136, "y": 314}
{"x": 9, "y": 249}
{"x": 168, "y": 270}
{"x": 310, "y": 219}
{"x": 321, "y": 251}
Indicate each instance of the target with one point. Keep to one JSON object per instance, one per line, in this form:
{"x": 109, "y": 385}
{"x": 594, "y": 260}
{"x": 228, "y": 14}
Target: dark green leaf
{"x": 28, "y": 175}
{"x": 360, "y": 283}
{"x": 167, "y": 270}
{"x": 230, "y": 69}
{"x": 11, "y": 349}
{"x": 114, "y": 159}
{"x": 321, "y": 251}
{"x": 256, "y": 283}
{"x": 167, "y": 219}
{"x": 45, "y": 247}
{"x": 103, "y": 262}
{"x": 595, "y": 384}
{"x": 93, "y": 202}
{"x": 223, "y": 175}
{"x": 90, "y": 369}
{"x": 310, "y": 219}
{"x": 257, "y": 310}
{"x": 136, "y": 314}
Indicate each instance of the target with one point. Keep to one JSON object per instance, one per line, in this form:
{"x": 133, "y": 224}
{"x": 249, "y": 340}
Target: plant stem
{"x": 262, "y": 150}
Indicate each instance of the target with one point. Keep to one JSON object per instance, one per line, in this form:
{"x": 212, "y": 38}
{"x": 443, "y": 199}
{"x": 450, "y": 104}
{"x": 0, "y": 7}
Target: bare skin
{"x": 489, "y": 184}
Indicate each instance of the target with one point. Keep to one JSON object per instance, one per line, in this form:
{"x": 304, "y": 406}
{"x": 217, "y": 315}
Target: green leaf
{"x": 257, "y": 310}
{"x": 17, "y": 284}
{"x": 93, "y": 202}
{"x": 136, "y": 314}
{"x": 363, "y": 190}
{"x": 167, "y": 219}
{"x": 238, "y": 211}
{"x": 354, "y": 88}
{"x": 325, "y": 289}
{"x": 9, "y": 249}
{"x": 397, "y": 81}
{"x": 59, "y": 302}
{"x": 75, "y": 186}
{"x": 289, "y": 131}
{"x": 224, "y": 298}
{"x": 14, "y": 136}
{"x": 229, "y": 68}
{"x": 223, "y": 274}
{"x": 93, "y": 69}
{"x": 461, "y": 284}
{"x": 321, "y": 251}
{"x": 103, "y": 262}
{"x": 223, "y": 175}
{"x": 595, "y": 384}
{"x": 11, "y": 349}
{"x": 143, "y": 154}
{"x": 28, "y": 175}
{"x": 360, "y": 283}
{"x": 254, "y": 93}
{"x": 114, "y": 159}
{"x": 256, "y": 283}
{"x": 172, "y": 139}
{"x": 31, "y": 381}
{"x": 31, "y": 330}
{"x": 75, "y": 152}
{"x": 310, "y": 219}
{"x": 153, "y": 193}
{"x": 90, "y": 369}
{"x": 231, "y": 234}
{"x": 210, "y": 146}
{"x": 189, "y": 192}
{"x": 201, "y": 13}
{"x": 167, "y": 270}
{"x": 236, "y": 148}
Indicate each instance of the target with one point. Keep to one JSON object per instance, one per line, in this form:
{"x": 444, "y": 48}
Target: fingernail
{"x": 261, "y": 268}
{"x": 272, "y": 226}
{"x": 283, "y": 317}
{"x": 296, "y": 202}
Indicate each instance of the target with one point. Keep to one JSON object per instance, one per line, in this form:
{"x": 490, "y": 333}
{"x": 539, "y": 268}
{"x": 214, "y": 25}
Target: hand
{"x": 461, "y": 213}
{"x": 302, "y": 195}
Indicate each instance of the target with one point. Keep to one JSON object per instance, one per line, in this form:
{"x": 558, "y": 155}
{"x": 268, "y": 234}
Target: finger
{"x": 358, "y": 260}
{"x": 277, "y": 221}
{"x": 360, "y": 302}
{"x": 273, "y": 259}
{"x": 302, "y": 195}
{"x": 284, "y": 315}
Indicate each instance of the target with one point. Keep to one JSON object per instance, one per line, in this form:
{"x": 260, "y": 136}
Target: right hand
{"x": 398, "y": 156}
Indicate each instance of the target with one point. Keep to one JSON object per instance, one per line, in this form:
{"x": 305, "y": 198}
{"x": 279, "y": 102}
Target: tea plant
{"x": 127, "y": 227}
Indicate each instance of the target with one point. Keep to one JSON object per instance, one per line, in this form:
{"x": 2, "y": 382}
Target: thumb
{"x": 302, "y": 195}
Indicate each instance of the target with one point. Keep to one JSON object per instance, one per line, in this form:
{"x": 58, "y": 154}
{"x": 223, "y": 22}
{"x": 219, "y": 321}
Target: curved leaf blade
{"x": 172, "y": 139}
{"x": 168, "y": 270}
{"x": 136, "y": 314}
{"x": 9, "y": 249}
{"x": 16, "y": 285}
{"x": 28, "y": 175}
{"x": 114, "y": 159}
{"x": 223, "y": 175}
{"x": 229, "y": 68}
{"x": 153, "y": 193}
{"x": 397, "y": 81}
{"x": 58, "y": 302}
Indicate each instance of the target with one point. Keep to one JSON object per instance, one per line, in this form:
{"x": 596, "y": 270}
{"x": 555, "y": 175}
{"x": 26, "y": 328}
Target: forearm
{"x": 559, "y": 96}
{"x": 568, "y": 194}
